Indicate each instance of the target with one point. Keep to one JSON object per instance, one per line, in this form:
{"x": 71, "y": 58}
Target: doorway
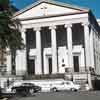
{"x": 31, "y": 67}
{"x": 50, "y": 65}
{"x": 76, "y": 63}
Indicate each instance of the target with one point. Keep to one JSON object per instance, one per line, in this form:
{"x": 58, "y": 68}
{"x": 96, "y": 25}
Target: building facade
{"x": 59, "y": 38}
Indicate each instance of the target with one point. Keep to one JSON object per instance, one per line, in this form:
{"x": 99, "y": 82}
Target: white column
{"x": 8, "y": 62}
{"x": 69, "y": 44}
{"x": 87, "y": 44}
{"x": 23, "y": 34}
{"x": 91, "y": 48}
{"x": 24, "y": 51}
{"x": 21, "y": 66}
{"x": 87, "y": 52}
{"x": 46, "y": 66}
{"x": 54, "y": 49}
{"x": 38, "y": 66}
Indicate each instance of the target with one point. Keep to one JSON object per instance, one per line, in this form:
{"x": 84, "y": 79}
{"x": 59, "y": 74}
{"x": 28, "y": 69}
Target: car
{"x": 1, "y": 90}
{"x": 45, "y": 87}
{"x": 66, "y": 85}
{"x": 26, "y": 88}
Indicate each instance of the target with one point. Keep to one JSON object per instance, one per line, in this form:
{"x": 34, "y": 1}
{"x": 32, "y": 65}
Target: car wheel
{"x": 31, "y": 91}
{"x": 73, "y": 89}
{"x": 54, "y": 89}
{"x": 14, "y": 90}
{"x": 24, "y": 92}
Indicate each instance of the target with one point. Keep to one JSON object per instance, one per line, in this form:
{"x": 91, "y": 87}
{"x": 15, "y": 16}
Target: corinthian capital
{"x": 68, "y": 25}
{"x": 85, "y": 24}
{"x": 52, "y": 27}
{"x": 37, "y": 28}
{"x": 23, "y": 30}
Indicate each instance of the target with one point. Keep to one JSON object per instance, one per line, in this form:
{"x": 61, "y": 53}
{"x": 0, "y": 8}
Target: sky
{"x": 94, "y": 5}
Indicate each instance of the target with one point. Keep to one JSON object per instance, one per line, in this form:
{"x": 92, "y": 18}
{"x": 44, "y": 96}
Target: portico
{"x": 45, "y": 50}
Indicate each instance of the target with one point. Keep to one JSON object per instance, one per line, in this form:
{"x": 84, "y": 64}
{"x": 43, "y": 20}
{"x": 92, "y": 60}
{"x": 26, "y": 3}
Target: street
{"x": 92, "y": 95}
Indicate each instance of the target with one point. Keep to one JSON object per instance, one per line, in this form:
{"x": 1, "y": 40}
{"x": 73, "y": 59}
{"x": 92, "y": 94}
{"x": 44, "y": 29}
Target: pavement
{"x": 64, "y": 95}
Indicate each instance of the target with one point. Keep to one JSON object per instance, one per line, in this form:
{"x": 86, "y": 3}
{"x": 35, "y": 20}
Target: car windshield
{"x": 62, "y": 83}
{"x": 27, "y": 84}
{"x": 68, "y": 83}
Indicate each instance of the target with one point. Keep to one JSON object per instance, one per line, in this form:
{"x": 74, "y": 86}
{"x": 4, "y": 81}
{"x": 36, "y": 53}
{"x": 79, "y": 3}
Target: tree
{"x": 10, "y": 36}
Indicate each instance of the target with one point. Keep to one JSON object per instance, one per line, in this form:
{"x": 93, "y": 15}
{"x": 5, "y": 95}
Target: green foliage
{"x": 9, "y": 33}
{"x": 4, "y": 4}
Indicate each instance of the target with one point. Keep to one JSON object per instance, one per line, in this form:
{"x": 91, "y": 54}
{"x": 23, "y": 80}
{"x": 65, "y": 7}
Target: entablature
{"x": 61, "y": 20}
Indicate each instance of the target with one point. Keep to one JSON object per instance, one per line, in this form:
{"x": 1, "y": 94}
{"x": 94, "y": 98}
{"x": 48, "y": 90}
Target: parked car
{"x": 66, "y": 85}
{"x": 1, "y": 90}
{"x": 26, "y": 88}
{"x": 45, "y": 87}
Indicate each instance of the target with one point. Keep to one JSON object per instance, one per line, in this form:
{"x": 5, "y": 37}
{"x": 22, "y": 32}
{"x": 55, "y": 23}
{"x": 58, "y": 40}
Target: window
{"x": 68, "y": 83}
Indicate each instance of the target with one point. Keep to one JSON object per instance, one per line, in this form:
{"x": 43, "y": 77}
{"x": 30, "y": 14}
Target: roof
{"x": 50, "y": 2}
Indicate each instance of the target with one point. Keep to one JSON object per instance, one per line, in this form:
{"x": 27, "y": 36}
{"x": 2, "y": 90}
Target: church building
{"x": 59, "y": 38}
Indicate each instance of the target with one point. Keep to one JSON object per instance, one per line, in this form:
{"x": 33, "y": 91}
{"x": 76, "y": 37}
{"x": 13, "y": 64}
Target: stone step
{"x": 40, "y": 77}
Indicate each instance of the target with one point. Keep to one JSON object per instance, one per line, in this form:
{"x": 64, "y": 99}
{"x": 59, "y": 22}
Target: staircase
{"x": 78, "y": 78}
{"x": 43, "y": 76}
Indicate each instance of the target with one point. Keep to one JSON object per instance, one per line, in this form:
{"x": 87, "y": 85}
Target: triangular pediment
{"x": 48, "y": 8}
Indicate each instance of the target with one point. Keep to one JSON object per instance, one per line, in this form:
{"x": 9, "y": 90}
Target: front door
{"x": 50, "y": 65}
{"x": 76, "y": 63}
{"x": 31, "y": 67}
